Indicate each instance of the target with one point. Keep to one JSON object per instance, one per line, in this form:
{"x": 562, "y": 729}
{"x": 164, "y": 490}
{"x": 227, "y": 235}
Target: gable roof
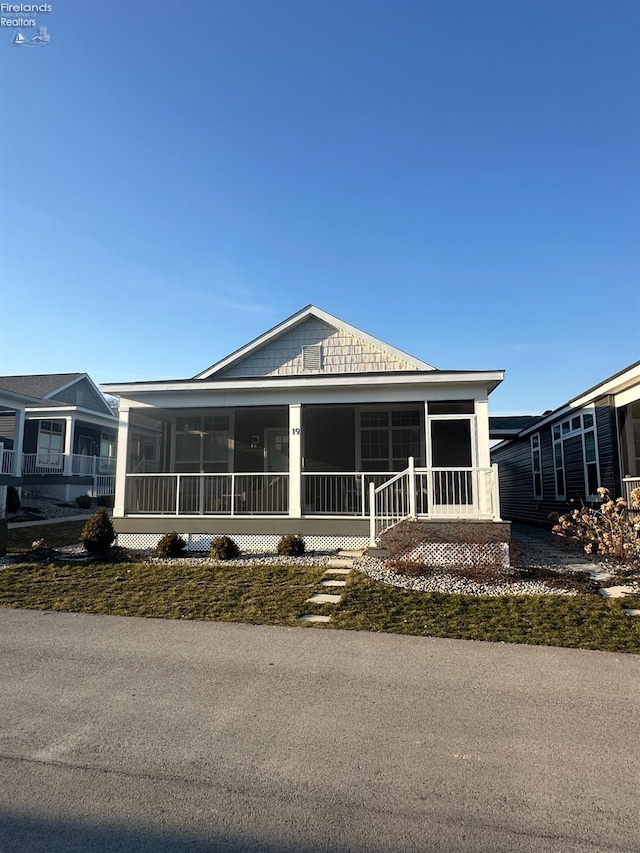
{"x": 507, "y": 426}
{"x": 40, "y": 385}
{"x": 409, "y": 362}
{"x": 43, "y": 388}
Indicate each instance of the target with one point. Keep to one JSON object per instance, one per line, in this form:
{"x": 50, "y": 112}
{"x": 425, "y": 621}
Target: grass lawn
{"x": 276, "y": 595}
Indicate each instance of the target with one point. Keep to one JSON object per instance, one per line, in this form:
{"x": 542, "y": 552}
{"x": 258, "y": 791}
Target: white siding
{"x": 341, "y": 353}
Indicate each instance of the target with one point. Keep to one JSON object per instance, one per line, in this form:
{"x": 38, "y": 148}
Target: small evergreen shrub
{"x": 83, "y": 501}
{"x": 106, "y": 500}
{"x": 171, "y": 545}
{"x": 224, "y": 548}
{"x": 291, "y": 545}
{"x": 98, "y": 533}
{"x": 13, "y": 500}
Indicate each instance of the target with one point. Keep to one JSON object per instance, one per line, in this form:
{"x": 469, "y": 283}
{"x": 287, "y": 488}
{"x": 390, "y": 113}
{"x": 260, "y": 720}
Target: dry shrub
{"x": 610, "y": 530}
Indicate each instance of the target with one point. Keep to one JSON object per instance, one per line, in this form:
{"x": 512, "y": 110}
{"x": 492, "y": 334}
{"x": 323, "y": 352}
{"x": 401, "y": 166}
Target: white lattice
{"x": 248, "y": 543}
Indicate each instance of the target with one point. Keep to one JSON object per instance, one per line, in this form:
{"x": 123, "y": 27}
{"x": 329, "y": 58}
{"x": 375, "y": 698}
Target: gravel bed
{"x": 317, "y": 559}
{"x": 441, "y": 580}
{"x": 42, "y": 509}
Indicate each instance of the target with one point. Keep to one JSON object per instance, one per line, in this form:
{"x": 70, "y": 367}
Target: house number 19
{"x": 295, "y": 430}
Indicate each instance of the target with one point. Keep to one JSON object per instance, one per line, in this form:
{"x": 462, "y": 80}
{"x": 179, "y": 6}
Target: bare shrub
{"x": 610, "y": 529}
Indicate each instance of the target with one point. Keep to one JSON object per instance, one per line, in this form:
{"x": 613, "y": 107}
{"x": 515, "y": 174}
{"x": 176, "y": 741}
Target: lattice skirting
{"x": 447, "y": 554}
{"x": 252, "y": 543}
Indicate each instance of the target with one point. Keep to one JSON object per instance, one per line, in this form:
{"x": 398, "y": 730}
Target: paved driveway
{"x": 144, "y": 735}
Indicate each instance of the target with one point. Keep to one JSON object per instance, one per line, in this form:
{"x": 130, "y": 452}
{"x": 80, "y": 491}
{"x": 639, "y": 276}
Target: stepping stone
{"x": 340, "y": 564}
{"x": 350, "y": 553}
{"x": 338, "y": 571}
{"x": 616, "y": 591}
{"x": 631, "y": 611}
{"x": 312, "y": 617}
{"x": 600, "y": 575}
{"x": 333, "y": 583}
{"x": 324, "y": 598}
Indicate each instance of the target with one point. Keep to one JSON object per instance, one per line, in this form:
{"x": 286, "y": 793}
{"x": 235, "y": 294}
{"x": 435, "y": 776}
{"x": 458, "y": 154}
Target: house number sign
{"x": 295, "y": 430}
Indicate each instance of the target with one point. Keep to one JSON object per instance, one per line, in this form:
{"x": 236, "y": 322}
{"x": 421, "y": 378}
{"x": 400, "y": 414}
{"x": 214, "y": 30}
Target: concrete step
{"x": 354, "y": 554}
{"x": 338, "y": 571}
{"x": 324, "y": 598}
{"x": 340, "y": 564}
{"x": 333, "y": 583}
{"x": 314, "y": 617}
{"x": 631, "y": 611}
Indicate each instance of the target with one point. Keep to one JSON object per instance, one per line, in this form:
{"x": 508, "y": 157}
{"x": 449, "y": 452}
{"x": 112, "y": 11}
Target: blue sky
{"x": 460, "y": 179}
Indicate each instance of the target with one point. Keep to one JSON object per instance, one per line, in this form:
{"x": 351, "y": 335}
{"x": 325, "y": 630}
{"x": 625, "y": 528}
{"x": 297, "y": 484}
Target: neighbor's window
{"x": 536, "y": 465}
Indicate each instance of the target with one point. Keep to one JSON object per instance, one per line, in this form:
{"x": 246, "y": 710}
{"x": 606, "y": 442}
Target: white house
{"x": 286, "y": 434}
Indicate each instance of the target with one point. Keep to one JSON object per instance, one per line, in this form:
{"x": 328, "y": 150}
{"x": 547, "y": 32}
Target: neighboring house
{"x": 286, "y": 434}
{"x": 59, "y": 433}
{"x": 564, "y": 455}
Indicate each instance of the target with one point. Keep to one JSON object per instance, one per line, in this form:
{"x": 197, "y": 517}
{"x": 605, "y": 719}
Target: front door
{"x": 276, "y": 449}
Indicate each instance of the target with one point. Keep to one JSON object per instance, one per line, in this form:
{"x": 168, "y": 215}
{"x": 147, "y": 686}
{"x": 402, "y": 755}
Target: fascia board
{"x": 490, "y": 378}
{"x": 12, "y": 400}
{"x": 625, "y": 380}
{"x": 45, "y": 413}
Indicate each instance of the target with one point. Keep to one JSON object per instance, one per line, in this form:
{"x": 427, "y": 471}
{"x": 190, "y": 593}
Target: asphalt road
{"x": 141, "y": 735}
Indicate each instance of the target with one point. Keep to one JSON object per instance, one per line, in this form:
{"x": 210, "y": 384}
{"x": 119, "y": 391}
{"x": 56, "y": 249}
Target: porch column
{"x": 18, "y": 442}
{"x": 68, "y": 447}
{"x": 121, "y": 463}
{"x": 483, "y": 460}
{"x": 295, "y": 460}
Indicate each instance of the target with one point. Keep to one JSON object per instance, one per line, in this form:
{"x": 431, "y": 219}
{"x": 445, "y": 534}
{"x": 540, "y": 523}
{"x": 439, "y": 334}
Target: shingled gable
{"x": 313, "y": 342}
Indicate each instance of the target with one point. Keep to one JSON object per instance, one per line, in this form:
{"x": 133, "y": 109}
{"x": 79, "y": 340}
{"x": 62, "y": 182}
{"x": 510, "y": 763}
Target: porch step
{"x": 314, "y": 617}
{"x": 324, "y": 598}
{"x": 333, "y": 583}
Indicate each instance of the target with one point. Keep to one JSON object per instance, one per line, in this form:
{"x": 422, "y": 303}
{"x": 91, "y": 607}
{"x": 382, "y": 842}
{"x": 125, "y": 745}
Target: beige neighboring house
{"x": 315, "y": 427}
{"x": 58, "y": 435}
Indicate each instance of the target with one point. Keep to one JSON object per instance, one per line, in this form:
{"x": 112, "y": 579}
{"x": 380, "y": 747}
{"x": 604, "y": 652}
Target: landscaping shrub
{"x": 83, "y": 501}
{"x": 106, "y": 500}
{"x": 224, "y": 548}
{"x": 291, "y": 545}
{"x": 171, "y": 545}
{"x": 13, "y": 500}
{"x": 610, "y": 529}
{"x": 98, "y": 533}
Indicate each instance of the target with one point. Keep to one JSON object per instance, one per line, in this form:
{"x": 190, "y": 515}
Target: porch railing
{"x": 55, "y": 462}
{"x": 434, "y": 493}
{"x": 207, "y": 494}
{"x": 628, "y": 485}
{"x": 8, "y": 462}
{"x": 339, "y": 494}
{"x": 42, "y": 463}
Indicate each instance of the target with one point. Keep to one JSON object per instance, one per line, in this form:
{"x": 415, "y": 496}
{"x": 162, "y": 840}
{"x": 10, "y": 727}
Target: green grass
{"x": 276, "y": 595}
{"x": 55, "y": 535}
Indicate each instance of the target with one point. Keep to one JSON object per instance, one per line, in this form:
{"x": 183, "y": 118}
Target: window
{"x": 389, "y": 438}
{"x": 50, "y": 444}
{"x": 580, "y": 425}
{"x": 108, "y": 446}
{"x": 536, "y": 465}
{"x": 451, "y": 407}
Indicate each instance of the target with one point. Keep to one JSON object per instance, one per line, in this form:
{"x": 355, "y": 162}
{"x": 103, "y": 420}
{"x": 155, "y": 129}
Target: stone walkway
{"x": 332, "y": 584}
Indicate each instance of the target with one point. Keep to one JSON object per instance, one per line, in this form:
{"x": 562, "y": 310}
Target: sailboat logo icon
{"x": 42, "y": 37}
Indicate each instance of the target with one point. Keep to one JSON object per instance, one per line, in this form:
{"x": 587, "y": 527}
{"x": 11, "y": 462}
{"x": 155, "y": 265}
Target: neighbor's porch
{"x": 303, "y": 461}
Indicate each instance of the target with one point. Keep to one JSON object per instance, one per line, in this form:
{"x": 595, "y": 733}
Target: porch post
{"x": 484, "y": 496}
{"x": 121, "y": 463}
{"x": 18, "y": 442}
{"x": 295, "y": 460}
{"x": 68, "y": 447}
{"x": 412, "y": 486}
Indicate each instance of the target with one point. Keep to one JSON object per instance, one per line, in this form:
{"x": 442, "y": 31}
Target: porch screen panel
{"x": 451, "y": 448}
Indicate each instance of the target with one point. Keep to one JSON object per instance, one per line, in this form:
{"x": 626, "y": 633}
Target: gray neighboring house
{"x": 548, "y": 461}
{"x": 58, "y": 435}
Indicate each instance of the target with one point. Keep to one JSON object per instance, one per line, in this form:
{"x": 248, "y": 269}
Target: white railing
{"x": 207, "y": 494}
{"x": 433, "y": 493}
{"x": 42, "y": 463}
{"x": 104, "y": 484}
{"x": 8, "y": 462}
{"x": 339, "y": 494}
{"x": 628, "y": 485}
